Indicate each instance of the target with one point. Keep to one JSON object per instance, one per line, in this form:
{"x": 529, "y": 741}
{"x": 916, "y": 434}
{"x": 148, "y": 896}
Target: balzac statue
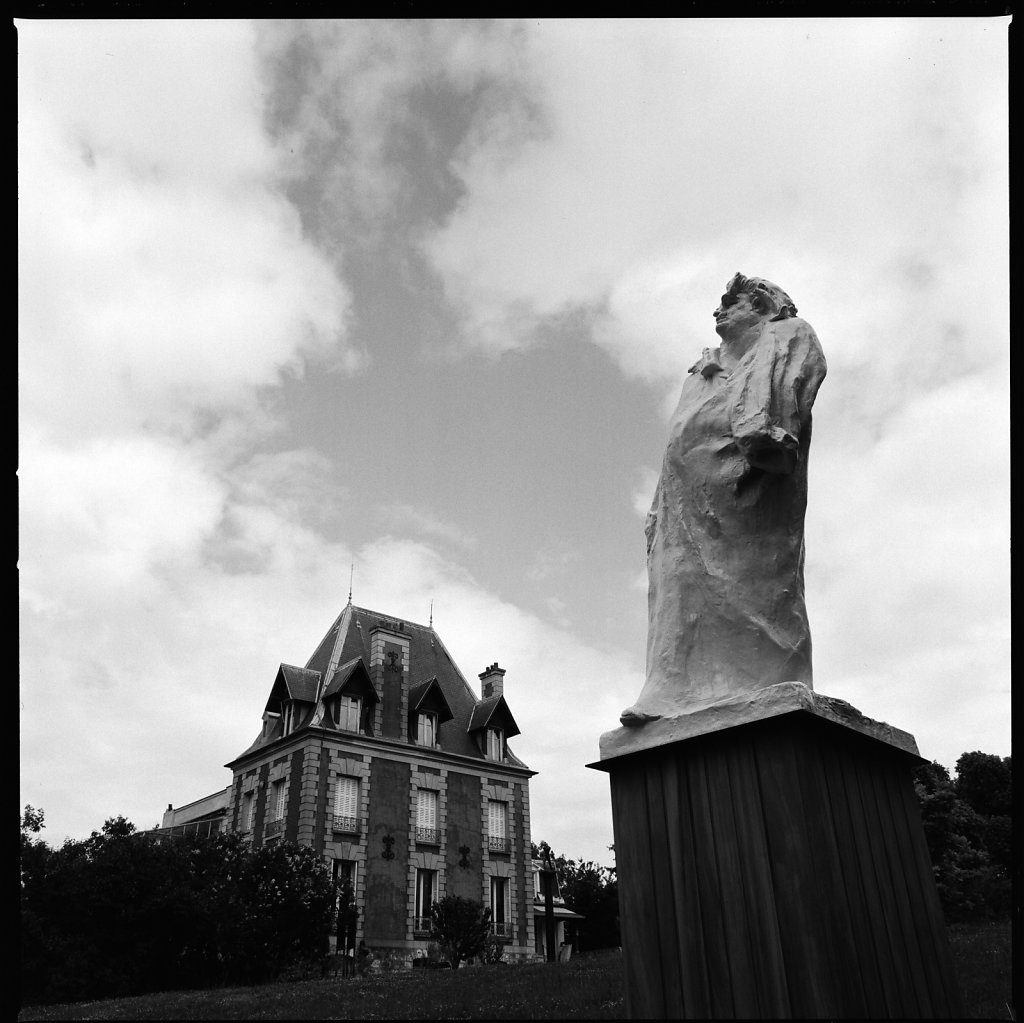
{"x": 725, "y": 533}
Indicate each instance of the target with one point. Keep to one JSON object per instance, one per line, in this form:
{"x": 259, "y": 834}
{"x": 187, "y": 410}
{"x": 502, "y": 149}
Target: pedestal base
{"x": 777, "y": 869}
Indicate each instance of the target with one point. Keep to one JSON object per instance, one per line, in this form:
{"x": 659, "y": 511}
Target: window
{"x": 248, "y": 813}
{"x": 275, "y": 824}
{"x": 289, "y": 718}
{"x": 426, "y": 728}
{"x": 349, "y": 712}
{"x": 426, "y": 817}
{"x": 345, "y": 874}
{"x": 495, "y": 744}
{"x": 497, "y": 826}
{"x": 277, "y": 795}
{"x": 426, "y": 896}
{"x": 346, "y": 804}
{"x": 501, "y": 908}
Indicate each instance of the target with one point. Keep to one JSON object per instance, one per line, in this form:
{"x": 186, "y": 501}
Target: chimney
{"x": 492, "y": 681}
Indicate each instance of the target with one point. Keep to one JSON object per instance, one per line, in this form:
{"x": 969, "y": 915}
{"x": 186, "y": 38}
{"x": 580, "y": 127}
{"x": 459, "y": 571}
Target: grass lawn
{"x": 982, "y": 954}
{"x": 588, "y": 987}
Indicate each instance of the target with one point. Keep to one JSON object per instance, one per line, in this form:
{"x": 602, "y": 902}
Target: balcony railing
{"x": 499, "y": 844}
{"x": 275, "y": 827}
{"x": 428, "y": 836}
{"x": 501, "y": 929}
{"x": 421, "y": 925}
{"x": 349, "y": 825}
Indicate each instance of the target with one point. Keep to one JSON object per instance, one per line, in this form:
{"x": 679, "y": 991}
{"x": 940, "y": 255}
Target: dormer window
{"x": 490, "y": 725}
{"x": 349, "y": 712}
{"x": 289, "y": 717}
{"x": 428, "y": 710}
{"x": 495, "y": 744}
{"x": 426, "y": 728}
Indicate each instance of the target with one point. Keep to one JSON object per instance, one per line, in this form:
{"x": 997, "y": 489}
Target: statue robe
{"x": 726, "y": 530}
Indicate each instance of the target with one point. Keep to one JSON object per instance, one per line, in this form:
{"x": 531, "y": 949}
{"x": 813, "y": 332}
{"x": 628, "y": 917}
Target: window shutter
{"x": 346, "y": 797}
{"x": 494, "y": 744}
{"x": 426, "y": 728}
{"x": 426, "y": 808}
{"x": 348, "y": 713}
{"x": 496, "y": 819}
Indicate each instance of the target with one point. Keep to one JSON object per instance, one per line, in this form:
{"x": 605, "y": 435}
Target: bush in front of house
{"x": 462, "y": 927}
{"x": 121, "y": 913}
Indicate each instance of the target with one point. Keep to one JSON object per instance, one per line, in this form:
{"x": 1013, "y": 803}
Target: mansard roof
{"x": 347, "y": 643}
{"x": 349, "y": 638}
{"x": 493, "y": 711}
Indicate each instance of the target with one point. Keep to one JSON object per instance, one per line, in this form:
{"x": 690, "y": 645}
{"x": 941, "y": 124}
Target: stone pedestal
{"x": 772, "y": 864}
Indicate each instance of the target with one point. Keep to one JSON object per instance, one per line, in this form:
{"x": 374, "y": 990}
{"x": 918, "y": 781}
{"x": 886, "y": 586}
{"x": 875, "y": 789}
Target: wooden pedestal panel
{"x": 777, "y": 869}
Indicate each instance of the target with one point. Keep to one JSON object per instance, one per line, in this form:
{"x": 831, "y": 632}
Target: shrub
{"x": 122, "y": 914}
{"x": 461, "y": 927}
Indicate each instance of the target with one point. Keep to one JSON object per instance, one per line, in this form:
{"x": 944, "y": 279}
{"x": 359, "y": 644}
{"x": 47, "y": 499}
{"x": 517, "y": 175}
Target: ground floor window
{"x": 426, "y": 896}
{"x": 501, "y": 908}
{"x": 346, "y": 876}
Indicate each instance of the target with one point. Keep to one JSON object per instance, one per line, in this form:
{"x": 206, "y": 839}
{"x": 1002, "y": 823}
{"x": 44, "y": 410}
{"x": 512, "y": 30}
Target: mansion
{"x": 380, "y": 755}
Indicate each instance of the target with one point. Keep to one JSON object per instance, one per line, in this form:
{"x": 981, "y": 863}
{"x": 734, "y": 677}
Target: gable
{"x": 352, "y": 679}
{"x": 493, "y": 712}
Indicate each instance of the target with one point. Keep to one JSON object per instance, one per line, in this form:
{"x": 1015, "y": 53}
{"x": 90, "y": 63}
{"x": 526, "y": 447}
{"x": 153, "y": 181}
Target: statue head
{"x": 766, "y": 298}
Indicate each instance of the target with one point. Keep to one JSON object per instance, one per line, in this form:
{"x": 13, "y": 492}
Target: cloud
{"x": 370, "y": 110}
{"x": 643, "y": 494}
{"x": 406, "y": 517}
{"x": 148, "y": 203}
{"x": 908, "y": 567}
{"x": 165, "y": 285}
{"x": 679, "y": 152}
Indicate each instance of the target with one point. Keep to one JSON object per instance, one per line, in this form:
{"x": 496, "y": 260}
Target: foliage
{"x": 493, "y": 952}
{"x": 461, "y": 927}
{"x": 985, "y": 783}
{"x": 121, "y": 913}
{"x": 592, "y": 891}
{"x": 967, "y": 826}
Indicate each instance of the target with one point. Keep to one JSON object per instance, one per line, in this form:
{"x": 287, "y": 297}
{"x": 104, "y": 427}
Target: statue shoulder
{"x": 797, "y": 336}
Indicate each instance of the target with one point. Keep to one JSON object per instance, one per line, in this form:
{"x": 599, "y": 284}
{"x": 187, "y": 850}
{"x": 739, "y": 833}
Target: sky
{"x": 408, "y": 304}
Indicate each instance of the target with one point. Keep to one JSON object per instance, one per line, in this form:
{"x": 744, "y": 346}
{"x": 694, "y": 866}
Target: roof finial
{"x": 431, "y": 614}
{"x": 351, "y": 572}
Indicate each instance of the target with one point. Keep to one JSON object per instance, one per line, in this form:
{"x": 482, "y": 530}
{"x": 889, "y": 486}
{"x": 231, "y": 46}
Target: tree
{"x": 985, "y": 783}
{"x": 592, "y": 891}
{"x": 461, "y": 927}
{"x": 122, "y": 913}
{"x": 969, "y": 863}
